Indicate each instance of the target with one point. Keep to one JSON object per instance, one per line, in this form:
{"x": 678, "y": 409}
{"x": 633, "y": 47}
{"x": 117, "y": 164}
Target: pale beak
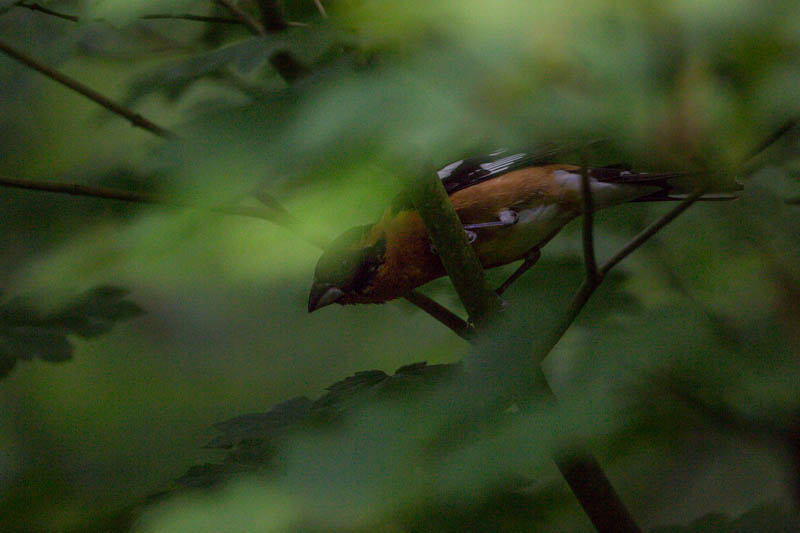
{"x": 322, "y": 295}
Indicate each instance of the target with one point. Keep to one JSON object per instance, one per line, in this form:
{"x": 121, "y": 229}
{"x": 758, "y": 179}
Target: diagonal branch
{"x": 134, "y": 118}
{"x": 440, "y": 313}
{"x": 589, "y": 260}
{"x": 47, "y": 11}
{"x": 787, "y": 126}
{"x": 547, "y": 342}
{"x": 651, "y": 230}
{"x": 594, "y": 491}
{"x": 450, "y": 239}
{"x": 321, "y": 8}
{"x": 580, "y": 469}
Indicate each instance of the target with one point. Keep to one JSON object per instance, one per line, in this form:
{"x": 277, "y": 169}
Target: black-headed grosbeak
{"x": 510, "y": 205}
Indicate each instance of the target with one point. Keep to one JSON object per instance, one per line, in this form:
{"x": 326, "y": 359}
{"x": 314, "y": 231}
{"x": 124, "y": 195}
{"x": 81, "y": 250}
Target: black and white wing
{"x": 467, "y": 172}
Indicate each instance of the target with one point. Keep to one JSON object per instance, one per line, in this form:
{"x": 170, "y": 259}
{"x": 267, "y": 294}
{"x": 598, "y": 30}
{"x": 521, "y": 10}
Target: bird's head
{"x": 346, "y": 268}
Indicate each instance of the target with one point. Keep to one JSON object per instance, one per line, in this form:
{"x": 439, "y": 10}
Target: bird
{"x": 510, "y": 205}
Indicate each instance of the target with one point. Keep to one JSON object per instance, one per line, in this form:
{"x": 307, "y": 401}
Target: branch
{"x": 458, "y": 257}
{"x": 651, "y": 230}
{"x": 594, "y": 491}
{"x": 321, "y": 8}
{"x": 46, "y": 11}
{"x": 587, "y": 288}
{"x": 271, "y": 212}
{"x": 589, "y": 260}
{"x": 189, "y": 16}
{"x": 773, "y": 137}
{"x": 155, "y": 16}
{"x": 440, "y": 313}
{"x": 581, "y": 470}
{"x": 134, "y": 118}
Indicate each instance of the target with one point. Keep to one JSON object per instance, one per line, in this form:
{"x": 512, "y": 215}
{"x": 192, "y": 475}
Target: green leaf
{"x": 27, "y": 334}
{"x": 311, "y": 46}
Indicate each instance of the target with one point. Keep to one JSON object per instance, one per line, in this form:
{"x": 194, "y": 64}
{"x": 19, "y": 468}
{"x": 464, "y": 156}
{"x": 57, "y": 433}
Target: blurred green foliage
{"x": 25, "y": 334}
{"x": 681, "y": 374}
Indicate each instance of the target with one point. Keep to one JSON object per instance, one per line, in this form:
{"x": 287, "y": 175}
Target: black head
{"x": 346, "y": 268}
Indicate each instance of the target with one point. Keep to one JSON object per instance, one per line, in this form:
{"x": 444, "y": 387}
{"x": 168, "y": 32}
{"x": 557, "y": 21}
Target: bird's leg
{"x": 531, "y": 258}
{"x": 505, "y": 218}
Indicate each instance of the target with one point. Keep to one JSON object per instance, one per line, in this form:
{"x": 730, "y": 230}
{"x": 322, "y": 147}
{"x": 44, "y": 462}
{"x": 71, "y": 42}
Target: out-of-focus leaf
{"x": 122, "y": 11}
{"x": 253, "y": 439}
{"x": 309, "y": 45}
{"x": 27, "y": 334}
{"x": 260, "y": 425}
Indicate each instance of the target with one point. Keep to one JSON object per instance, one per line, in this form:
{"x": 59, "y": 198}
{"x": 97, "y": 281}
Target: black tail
{"x": 622, "y": 174}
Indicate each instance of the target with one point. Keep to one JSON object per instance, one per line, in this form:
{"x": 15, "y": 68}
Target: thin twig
{"x": 651, "y": 230}
{"x": 440, "y": 313}
{"x": 134, "y": 118}
{"x": 269, "y": 212}
{"x": 47, "y": 11}
{"x": 155, "y": 16}
{"x": 548, "y": 341}
{"x": 773, "y": 137}
{"x": 189, "y": 16}
{"x": 321, "y": 8}
{"x": 252, "y": 24}
{"x": 590, "y": 263}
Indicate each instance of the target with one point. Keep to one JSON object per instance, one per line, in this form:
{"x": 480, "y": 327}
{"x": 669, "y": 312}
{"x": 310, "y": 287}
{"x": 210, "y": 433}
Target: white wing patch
{"x": 445, "y": 172}
{"x": 500, "y": 164}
